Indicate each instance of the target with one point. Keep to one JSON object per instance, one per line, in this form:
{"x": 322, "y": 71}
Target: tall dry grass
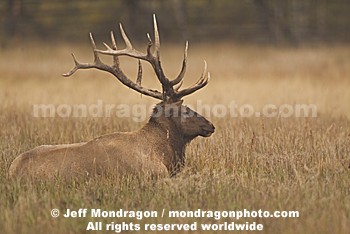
{"x": 249, "y": 163}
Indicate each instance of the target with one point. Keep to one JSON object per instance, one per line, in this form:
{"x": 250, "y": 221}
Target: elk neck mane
{"x": 168, "y": 134}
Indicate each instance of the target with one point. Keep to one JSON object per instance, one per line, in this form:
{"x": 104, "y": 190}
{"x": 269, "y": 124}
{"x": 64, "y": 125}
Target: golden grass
{"x": 249, "y": 163}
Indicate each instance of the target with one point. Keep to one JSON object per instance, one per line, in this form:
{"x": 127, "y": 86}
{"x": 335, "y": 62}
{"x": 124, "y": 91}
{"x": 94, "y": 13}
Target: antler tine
{"x": 203, "y": 76}
{"x": 156, "y": 37}
{"x": 180, "y": 77}
{"x": 93, "y": 44}
{"x": 74, "y": 69}
{"x": 128, "y": 51}
{"x": 97, "y": 62}
{"x": 150, "y": 43}
{"x": 115, "y": 47}
{"x": 125, "y": 37}
{"x": 202, "y": 81}
{"x": 139, "y": 74}
{"x": 107, "y": 46}
{"x": 114, "y": 42}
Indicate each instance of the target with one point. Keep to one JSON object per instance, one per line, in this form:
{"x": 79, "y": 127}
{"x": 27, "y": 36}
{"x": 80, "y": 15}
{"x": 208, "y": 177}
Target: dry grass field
{"x": 248, "y": 163}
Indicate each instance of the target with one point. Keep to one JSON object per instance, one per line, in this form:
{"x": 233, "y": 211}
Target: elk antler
{"x": 170, "y": 88}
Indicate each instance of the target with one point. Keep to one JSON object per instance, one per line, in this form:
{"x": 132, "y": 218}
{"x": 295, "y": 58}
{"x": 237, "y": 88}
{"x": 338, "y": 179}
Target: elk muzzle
{"x": 207, "y": 130}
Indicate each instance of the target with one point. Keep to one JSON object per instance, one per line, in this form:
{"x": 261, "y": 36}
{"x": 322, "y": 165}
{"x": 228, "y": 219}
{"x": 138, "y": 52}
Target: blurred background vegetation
{"x": 287, "y": 22}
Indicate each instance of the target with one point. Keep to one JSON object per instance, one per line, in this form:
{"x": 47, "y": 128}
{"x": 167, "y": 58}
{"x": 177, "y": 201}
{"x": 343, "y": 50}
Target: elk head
{"x": 170, "y": 108}
{"x": 189, "y": 123}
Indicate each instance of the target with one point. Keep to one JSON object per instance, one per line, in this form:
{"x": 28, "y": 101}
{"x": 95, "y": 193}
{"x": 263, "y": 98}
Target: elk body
{"x": 156, "y": 149}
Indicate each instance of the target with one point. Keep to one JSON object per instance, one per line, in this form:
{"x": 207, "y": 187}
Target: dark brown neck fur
{"x": 168, "y": 136}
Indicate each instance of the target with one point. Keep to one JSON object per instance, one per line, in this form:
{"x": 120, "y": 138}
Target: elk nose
{"x": 212, "y": 127}
{"x": 209, "y": 127}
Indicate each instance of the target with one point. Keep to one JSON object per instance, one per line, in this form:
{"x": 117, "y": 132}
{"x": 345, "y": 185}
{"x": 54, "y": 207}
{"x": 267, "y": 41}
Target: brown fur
{"x": 157, "y": 149}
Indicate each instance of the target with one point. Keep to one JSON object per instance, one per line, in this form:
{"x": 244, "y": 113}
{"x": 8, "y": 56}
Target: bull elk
{"x": 157, "y": 149}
